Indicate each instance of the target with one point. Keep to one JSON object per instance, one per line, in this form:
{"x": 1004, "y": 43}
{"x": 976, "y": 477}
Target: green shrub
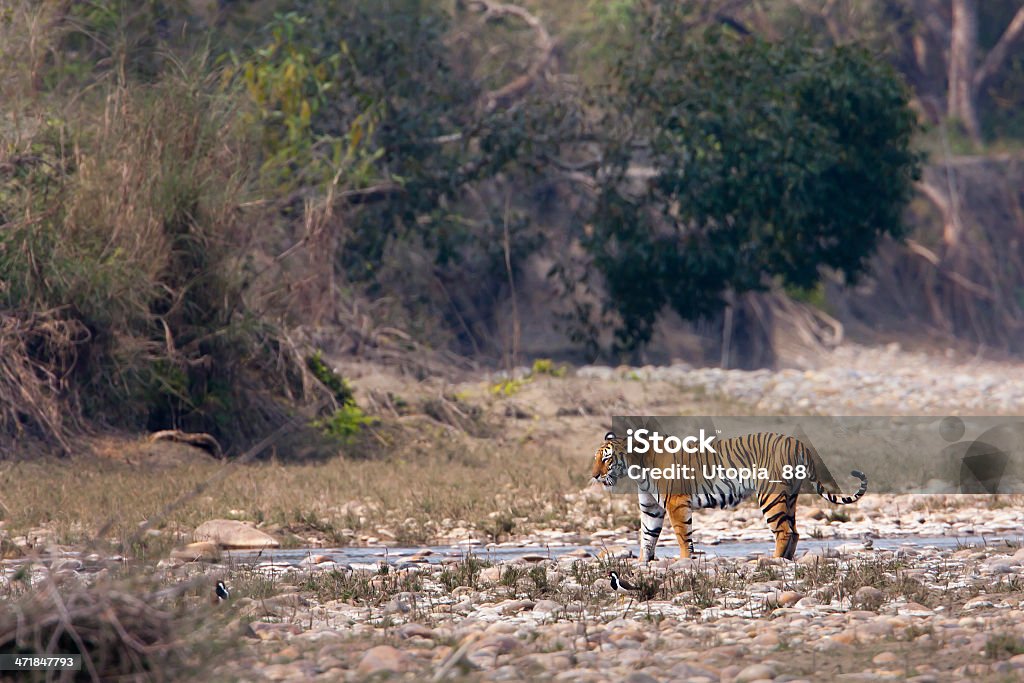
{"x": 509, "y": 387}
{"x": 334, "y": 382}
{"x": 345, "y": 422}
{"x": 347, "y": 419}
{"x": 545, "y": 366}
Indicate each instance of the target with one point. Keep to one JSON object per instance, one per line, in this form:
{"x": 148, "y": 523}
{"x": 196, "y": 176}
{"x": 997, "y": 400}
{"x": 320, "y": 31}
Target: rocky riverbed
{"x": 854, "y": 380}
{"x": 860, "y": 614}
{"x": 858, "y": 609}
{"x": 852, "y": 612}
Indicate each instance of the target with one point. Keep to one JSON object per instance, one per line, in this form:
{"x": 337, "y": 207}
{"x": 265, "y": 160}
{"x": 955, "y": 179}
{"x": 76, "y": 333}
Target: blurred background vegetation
{"x": 197, "y": 194}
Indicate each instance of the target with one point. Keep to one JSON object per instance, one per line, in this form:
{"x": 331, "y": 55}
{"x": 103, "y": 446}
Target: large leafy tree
{"x": 759, "y": 162}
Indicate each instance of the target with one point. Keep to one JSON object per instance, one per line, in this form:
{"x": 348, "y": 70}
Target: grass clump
{"x": 124, "y": 630}
{"x": 360, "y": 586}
{"x": 466, "y": 572}
{"x": 127, "y": 249}
{"x": 1003, "y": 645}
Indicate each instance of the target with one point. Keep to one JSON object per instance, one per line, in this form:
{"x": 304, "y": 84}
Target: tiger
{"x": 776, "y": 497}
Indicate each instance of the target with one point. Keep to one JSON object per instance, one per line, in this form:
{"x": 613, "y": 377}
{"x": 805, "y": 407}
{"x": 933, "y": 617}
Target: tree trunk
{"x": 963, "y": 45}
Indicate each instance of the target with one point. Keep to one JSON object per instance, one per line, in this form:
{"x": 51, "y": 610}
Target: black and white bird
{"x": 221, "y": 593}
{"x": 625, "y": 588}
{"x": 621, "y": 586}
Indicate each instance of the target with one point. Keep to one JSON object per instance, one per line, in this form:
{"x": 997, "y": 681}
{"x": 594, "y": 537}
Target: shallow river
{"x": 362, "y": 556}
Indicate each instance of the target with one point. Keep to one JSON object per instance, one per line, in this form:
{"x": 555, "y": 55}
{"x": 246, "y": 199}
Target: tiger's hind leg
{"x": 779, "y": 507}
{"x": 680, "y": 512}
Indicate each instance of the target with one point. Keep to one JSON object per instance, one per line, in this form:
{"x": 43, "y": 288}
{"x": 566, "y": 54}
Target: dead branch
{"x": 934, "y": 259}
{"x": 998, "y": 55}
{"x": 199, "y": 440}
{"x": 935, "y": 196}
{"x": 508, "y": 93}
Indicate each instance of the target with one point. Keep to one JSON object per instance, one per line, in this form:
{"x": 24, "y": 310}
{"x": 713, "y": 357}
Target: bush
{"x": 123, "y": 267}
{"x": 345, "y": 422}
{"x": 347, "y": 419}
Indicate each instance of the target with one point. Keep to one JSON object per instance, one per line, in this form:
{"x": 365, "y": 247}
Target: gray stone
{"x": 228, "y": 533}
{"x": 383, "y": 658}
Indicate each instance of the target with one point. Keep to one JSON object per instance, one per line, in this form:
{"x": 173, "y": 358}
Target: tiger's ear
{"x": 609, "y": 436}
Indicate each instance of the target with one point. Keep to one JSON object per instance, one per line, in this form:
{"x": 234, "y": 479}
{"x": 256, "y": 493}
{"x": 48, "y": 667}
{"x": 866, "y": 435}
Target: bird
{"x": 624, "y": 587}
{"x": 621, "y": 586}
{"x": 220, "y": 593}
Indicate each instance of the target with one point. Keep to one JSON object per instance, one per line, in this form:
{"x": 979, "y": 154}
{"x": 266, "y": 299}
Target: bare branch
{"x": 997, "y": 56}
{"x": 508, "y": 93}
{"x": 936, "y": 197}
{"x": 199, "y": 440}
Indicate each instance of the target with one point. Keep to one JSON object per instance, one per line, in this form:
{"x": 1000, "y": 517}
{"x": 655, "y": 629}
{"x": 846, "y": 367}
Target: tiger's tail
{"x": 844, "y": 500}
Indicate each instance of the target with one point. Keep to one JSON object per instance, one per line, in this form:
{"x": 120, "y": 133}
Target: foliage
{"x": 291, "y": 81}
{"x": 345, "y": 422}
{"x": 545, "y": 366}
{"x": 510, "y": 386}
{"x": 769, "y": 160}
{"x": 348, "y": 419}
{"x": 384, "y": 101}
{"x": 132, "y": 37}
{"x": 335, "y": 383}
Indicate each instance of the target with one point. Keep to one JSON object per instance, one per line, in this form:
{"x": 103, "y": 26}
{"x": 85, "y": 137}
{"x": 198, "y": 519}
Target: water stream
{"x": 397, "y": 556}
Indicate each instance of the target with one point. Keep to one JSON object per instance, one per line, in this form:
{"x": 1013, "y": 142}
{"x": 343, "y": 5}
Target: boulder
{"x": 228, "y": 533}
{"x": 200, "y": 551}
{"x": 383, "y": 658}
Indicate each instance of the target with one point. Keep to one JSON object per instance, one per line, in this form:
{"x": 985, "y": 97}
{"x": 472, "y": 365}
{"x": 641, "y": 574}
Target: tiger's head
{"x": 609, "y": 461}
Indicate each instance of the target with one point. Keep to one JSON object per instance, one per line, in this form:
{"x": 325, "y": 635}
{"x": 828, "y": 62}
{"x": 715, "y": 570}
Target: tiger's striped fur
{"x": 777, "y": 499}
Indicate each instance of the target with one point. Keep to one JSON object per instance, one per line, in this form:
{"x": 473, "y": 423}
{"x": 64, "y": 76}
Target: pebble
{"x": 755, "y": 672}
{"x": 849, "y": 380}
{"x": 383, "y": 658}
{"x": 868, "y": 595}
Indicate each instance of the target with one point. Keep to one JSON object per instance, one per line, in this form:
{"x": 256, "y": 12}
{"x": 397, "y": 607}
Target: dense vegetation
{"x": 764, "y": 157}
{"x": 189, "y": 190}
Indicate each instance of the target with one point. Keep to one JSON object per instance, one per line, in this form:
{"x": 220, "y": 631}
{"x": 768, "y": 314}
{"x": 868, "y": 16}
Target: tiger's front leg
{"x": 680, "y": 511}
{"x": 652, "y": 518}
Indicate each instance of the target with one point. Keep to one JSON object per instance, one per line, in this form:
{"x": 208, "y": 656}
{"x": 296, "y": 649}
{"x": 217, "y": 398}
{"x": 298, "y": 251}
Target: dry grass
{"x": 125, "y": 252}
{"x": 125, "y": 629}
{"x": 428, "y": 480}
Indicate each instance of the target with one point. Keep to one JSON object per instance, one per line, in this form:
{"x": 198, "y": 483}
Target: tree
{"x": 767, "y": 162}
{"x": 968, "y": 78}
